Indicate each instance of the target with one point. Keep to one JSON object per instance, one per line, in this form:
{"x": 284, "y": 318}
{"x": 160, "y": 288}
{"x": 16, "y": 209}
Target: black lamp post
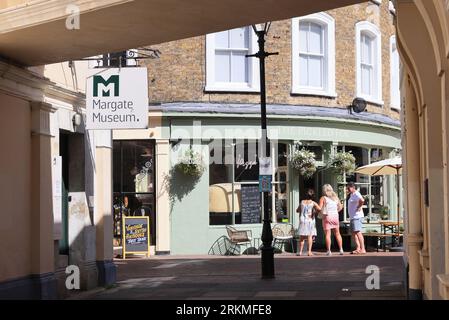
{"x": 267, "y": 235}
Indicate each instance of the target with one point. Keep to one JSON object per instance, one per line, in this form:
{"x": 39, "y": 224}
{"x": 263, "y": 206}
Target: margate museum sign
{"x": 117, "y": 98}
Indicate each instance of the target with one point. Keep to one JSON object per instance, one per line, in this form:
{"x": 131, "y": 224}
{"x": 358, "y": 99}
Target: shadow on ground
{"x": 230, "y": 278}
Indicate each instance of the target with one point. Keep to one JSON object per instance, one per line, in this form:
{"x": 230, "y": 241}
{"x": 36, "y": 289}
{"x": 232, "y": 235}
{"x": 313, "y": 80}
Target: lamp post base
{"x": 267, "y": 262}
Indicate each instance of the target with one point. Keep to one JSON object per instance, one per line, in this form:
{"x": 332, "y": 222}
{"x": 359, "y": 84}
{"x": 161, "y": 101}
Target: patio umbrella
{"x": 391, "y": 166}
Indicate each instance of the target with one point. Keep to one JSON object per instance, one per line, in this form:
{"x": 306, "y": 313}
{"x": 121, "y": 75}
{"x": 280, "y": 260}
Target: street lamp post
{"x": 267, "y": 234}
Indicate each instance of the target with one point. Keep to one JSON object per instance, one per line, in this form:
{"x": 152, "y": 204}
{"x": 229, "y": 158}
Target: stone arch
{"x": 443, "y": 17}
{"x": 420, "y": 41}
{"x": 432, "y": 20}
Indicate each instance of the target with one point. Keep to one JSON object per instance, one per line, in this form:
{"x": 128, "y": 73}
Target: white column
{"x": 162, "y": 197}
{"x": 42, "y": 254}
{"x": 103, "y": 207}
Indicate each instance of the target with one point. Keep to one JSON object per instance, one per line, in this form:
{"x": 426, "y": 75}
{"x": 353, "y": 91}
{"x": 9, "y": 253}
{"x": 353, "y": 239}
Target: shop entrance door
{"x": 134, "y": 184}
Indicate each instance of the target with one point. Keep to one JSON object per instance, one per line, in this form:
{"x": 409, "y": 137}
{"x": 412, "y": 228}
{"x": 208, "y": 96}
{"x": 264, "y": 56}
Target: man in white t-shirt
{"x": 356, "y": 215}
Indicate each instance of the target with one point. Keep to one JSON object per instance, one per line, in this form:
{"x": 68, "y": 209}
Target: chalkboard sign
{"x": 136, "y": 235}
{"x": 250, "y": 207}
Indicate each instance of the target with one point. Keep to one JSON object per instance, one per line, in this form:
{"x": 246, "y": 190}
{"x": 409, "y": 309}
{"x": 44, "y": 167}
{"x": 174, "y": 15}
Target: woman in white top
{"x": 330, "y": 206}
{"x": 307, "y": 227}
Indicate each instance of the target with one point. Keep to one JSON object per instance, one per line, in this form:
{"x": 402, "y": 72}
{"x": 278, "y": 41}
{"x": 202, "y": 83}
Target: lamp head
{"x": 358, "y": 105}
{"x": 76, "y": 120}
{"x": 262, "y": 27}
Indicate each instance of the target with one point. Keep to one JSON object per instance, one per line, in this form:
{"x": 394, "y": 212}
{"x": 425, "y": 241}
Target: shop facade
{"x": 200, "y": 207}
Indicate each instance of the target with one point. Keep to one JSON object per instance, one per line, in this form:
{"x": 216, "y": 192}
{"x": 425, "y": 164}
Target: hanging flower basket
{"x": 191, "y": 164}
{"x": 343, "y": 162}
{"x": 304, "y": 161}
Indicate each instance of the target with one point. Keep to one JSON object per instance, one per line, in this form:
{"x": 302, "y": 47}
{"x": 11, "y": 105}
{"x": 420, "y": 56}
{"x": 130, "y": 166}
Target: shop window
{"x": 372, "y": 188}
{"x": 234, "y": 196}
{"x": 227, "y": 68}
{"x": 280, "y": 185}
{"x": 233, "y": 177}
{"x": 133, "y": 183}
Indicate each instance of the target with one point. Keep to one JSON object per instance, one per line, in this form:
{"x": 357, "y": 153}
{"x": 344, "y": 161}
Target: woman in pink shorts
{"x": 331, "y": 205}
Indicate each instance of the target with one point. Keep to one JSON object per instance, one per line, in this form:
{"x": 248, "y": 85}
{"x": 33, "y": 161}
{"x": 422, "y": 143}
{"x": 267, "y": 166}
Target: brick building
{"x": 204, "y": 96}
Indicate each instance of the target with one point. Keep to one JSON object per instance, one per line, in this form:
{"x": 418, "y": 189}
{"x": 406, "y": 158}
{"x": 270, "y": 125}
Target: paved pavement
{"x": 234, "y": 278}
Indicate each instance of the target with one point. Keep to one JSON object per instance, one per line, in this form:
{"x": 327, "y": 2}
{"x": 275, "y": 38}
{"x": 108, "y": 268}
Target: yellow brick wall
{"x": 180, "y": 73}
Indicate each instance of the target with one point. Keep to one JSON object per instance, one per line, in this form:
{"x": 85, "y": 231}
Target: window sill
{"x": 216, "y": 89}
{"x": 371, "y": 100}
{"x": 396, "y": 109}
{"x": 314, "y": 93}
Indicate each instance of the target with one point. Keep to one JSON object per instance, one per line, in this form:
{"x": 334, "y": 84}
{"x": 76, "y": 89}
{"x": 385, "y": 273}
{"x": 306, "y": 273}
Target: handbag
{"x": 323, "y": 213}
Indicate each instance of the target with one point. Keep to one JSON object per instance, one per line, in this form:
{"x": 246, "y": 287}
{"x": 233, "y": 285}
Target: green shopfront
{"x": 226, "y": 191}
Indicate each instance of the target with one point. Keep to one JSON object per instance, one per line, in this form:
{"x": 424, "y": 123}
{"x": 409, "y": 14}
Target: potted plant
{"x": 384, "y": 212}
{"x": 191, "y": 164}
{"x": 342, "y": 162}
{"x": 304, "y": 161}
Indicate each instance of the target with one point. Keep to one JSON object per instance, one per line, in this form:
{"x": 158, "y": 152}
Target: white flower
{"x": 304, "y": 161}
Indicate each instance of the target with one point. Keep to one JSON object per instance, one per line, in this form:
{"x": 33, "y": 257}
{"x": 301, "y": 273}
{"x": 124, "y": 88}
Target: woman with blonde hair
{"x": 330, "y": 206}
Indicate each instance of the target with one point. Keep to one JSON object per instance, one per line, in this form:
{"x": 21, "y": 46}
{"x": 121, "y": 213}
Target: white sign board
{"x": 265, "y": 168}
{"x": 117, "y": 98}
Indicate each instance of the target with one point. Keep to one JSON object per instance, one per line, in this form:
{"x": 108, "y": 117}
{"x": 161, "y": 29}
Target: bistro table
{"x": 391, "y": 228}
{"x": 387, "y": 229}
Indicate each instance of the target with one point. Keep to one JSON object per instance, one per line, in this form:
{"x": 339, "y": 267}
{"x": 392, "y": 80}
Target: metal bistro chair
{"x": 283, "y": 233}
{"x": 239, "y": 238}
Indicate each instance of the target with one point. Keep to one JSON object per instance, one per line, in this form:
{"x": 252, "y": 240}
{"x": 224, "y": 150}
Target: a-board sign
{"x": 250, "y": 208}
{"x": 136, "y": 235}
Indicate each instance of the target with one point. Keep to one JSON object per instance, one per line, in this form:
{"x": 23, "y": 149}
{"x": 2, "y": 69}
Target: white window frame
{"x": 253, "y": 85}
{"x": 393, "y": 92}
{"x": 373, "y": 31}
{"x": 391, "y": 7}
{"x": 328, "y": 23}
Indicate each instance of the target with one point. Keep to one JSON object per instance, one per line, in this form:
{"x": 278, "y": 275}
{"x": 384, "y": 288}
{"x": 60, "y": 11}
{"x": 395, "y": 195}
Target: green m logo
{"x": 106, "y": 85}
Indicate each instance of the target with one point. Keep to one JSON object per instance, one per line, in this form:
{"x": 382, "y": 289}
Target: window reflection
{"x": 234, "y": 196}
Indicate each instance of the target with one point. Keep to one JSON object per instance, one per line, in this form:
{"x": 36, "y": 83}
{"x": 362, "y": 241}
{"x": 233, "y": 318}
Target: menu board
{"x": 250, "y": 208}
{"x": 136, "y": 236}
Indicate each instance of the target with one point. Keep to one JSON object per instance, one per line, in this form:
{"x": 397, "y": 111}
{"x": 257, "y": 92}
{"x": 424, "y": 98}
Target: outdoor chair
{"x": 239, "y": 238}
{"x": 283, "y": 233}
{"x": 222, "y": 247}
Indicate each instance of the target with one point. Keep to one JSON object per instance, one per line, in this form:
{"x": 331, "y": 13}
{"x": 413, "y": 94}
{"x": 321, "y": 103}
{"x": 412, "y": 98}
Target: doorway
{"x": 134, "y": 184}
{"x": 64, "y": 153}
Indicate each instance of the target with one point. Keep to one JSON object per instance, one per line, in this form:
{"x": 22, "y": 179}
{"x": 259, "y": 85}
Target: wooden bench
{"x": 381, "y": 237}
